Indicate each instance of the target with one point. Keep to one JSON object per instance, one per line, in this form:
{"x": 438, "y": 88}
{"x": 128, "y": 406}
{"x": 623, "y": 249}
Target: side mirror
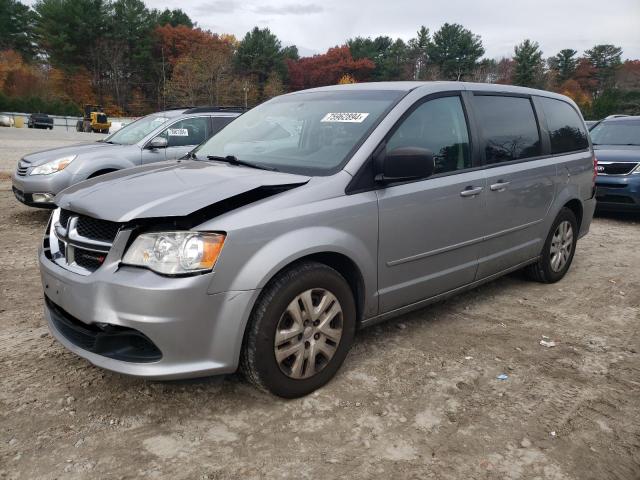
{"x": 158, "y": 142}
{"x": 406, "y": 163}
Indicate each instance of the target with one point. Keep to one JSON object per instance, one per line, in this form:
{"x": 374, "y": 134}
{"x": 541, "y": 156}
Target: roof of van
{"x": 433, "y": 86}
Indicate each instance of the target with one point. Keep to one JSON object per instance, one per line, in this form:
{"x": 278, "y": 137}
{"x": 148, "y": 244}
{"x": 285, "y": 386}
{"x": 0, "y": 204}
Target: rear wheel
{"x": 300, "y": 331}
{"x": 558, "y": 250}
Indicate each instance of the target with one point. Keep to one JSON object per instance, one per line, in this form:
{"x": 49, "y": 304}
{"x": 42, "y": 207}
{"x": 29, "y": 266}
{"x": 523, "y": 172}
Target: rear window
{"x": 566, "y": 131}
{"x": 509, "y": 128}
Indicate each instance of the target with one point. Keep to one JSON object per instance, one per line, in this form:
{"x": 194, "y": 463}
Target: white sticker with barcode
{"x": 349, "y": 117}
{"x": 178, "y": 132}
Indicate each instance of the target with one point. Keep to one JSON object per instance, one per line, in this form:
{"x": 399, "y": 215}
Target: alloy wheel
{"x": 561, "y": 246}
{"x": 308, "y": 333}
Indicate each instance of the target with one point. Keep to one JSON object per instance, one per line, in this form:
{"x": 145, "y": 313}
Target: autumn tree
{"x": 455, "y": 50}
{"x": 485, "y": 71}
{"x": 585, "y": 75}
{"x": 346, "y": 79}
{"x": 628, "y": 75}
{"x": 529, "y": 66}
{"x": 505, "y": 71}
{"x": 17, "y": 77}
{"x": 204, "y": 76}
{"x": 327, "y": 68}
{"x": 273, "y": 86}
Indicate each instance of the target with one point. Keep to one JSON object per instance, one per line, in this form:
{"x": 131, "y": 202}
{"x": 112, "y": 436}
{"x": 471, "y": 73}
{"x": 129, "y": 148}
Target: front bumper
{"x": 24, "y": 187}
{"x": 197, "y": 334}
{"x": 621, "y": 193}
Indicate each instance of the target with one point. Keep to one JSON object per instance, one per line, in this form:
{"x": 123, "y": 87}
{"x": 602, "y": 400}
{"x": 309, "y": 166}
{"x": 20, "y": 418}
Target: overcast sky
{"x": 315, "y": 25}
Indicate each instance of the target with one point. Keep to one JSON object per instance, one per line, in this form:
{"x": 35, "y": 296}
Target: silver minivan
{"x": 310, "y": 216}
{"x": 157, "y": 137}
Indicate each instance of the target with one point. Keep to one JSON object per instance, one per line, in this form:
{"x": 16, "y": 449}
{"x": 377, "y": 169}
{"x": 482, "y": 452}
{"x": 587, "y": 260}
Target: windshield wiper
{"x": 232, "y": 160}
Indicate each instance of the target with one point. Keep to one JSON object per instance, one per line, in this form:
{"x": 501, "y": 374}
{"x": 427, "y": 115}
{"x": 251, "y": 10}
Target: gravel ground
{"x": 16, "y": 142}
{"x": 417, "y": 397}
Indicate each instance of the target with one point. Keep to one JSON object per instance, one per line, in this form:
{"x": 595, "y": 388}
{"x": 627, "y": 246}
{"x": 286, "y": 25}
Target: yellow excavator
{"x": 94, "y": 120}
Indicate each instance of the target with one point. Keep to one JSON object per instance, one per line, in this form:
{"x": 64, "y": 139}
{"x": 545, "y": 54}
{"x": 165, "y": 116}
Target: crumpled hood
{"x": 166, "y": 189}
{"x": 44, "y": 156}
{"x": 617, "y": 153}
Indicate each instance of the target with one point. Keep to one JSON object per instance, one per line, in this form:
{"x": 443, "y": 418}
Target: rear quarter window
{"x": 566, "y": 130}
{"x": 509, "y": 128}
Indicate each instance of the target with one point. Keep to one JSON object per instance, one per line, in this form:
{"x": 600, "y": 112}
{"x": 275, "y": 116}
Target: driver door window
{"x": 188, "y": 132}
{"x": 438, "y": 125}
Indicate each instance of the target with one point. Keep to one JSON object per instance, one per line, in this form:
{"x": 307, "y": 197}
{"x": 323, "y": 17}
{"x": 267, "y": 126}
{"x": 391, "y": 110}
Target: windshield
{"x": 616, "y": 133}
{"x": 136, "y": 131}
{"x": 310, "y": 133}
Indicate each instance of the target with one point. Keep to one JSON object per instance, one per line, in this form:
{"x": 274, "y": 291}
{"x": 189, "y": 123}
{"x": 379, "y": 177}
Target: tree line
{"x": 60, "y": 54}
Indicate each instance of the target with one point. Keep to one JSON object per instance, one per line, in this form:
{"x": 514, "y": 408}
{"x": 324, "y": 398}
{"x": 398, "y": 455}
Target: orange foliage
{"x": 176, "y": 42}
{"x": 74, "y": 87}
{"x": 346, "y": 79}
{"x": 585, "y": 75}
{"x": 628, "y": 75}
{"x": 18, "y": 78}
{"x": 572, "y": 89}
{"x": 327, "y": 68}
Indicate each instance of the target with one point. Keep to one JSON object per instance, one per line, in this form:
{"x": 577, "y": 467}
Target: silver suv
{"x": 154, "y": 138}
{"x": 314, "y": 214}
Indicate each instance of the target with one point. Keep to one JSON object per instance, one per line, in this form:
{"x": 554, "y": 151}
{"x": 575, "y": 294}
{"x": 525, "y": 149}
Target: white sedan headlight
{"x": 53, "y": 166}
{"x": 175, "y": 253}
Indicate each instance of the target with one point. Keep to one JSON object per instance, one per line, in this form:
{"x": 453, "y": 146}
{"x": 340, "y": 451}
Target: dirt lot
{"x": 418, "y": 397}
{"x": 16, "y": 142}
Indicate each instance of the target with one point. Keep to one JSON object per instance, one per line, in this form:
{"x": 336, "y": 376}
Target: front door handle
{"x": 500, "y": 186}
{"x": 470, "y": 191}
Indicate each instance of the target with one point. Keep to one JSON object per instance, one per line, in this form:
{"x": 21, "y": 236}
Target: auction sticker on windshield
{"x": 350, "y": 117}
{"x": 178, "y": 132}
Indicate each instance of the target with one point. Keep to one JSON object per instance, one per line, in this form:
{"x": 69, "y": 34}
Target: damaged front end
{"x": 82, "y": 244}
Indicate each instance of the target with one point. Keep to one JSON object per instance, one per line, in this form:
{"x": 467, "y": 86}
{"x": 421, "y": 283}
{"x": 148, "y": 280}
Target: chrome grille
{"x": 83, "y": 242}
{"x": 23, "y": 167}
{"x": 616, "y": 168}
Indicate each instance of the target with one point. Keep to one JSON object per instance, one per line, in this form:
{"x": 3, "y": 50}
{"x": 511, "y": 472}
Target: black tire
{"x": 258, "y": 359}
{"x": 542, "y": 271}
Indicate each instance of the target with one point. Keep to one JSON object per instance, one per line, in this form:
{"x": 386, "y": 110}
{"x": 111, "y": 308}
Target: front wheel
{"x": 300, "y": 331}
{"x": 558, "y": 250}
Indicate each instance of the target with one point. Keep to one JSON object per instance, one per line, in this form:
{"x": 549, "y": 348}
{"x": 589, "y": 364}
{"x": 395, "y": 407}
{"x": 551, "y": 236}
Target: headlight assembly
{"x": 53, "y": 166}
{"x": 175, "y": 253}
